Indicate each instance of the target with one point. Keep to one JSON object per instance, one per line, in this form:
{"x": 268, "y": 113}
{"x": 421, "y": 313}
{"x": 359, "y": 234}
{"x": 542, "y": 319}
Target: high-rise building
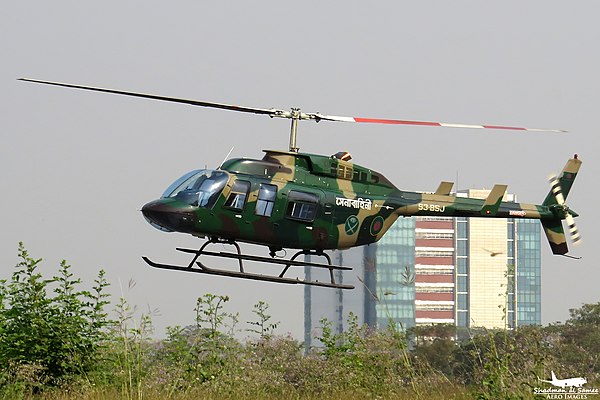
{"x": 498, "y": 270}
{"x": 335, "y": 305}
{"x": 470, "y": 272}
{"x": 435, "y": 270}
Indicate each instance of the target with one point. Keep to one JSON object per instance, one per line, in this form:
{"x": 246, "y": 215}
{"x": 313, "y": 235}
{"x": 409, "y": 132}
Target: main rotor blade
{"x": 266, "y": 111}
{"x": 426, "y": 123}
{"x": 294, "y": 114}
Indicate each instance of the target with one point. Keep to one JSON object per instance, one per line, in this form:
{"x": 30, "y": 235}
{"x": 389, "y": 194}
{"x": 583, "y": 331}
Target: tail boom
{"x": 550, "y": 213}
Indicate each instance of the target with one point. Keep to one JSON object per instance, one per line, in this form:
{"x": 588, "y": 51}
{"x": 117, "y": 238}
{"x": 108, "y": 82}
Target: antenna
{"x": 226, "y": 157}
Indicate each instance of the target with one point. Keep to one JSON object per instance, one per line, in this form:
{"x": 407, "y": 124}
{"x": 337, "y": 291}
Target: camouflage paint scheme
{"x": 356, "y": 205}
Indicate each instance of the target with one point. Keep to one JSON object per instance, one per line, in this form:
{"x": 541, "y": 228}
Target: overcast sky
{"x": 76, "y": 167}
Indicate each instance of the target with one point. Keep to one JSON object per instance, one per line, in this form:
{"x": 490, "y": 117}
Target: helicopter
{"x": 312, "y": 203}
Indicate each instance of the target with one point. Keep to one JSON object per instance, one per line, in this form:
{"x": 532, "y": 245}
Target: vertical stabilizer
{"x": 556, "y": 236}
{"x": 555, "y": 200}
{"x": 565, "y": 180}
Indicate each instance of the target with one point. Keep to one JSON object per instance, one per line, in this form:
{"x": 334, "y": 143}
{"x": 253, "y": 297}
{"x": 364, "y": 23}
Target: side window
{"x": 237, "y": 196}
{"x": 266, "y": 200}
{"x": 302, "y": 206}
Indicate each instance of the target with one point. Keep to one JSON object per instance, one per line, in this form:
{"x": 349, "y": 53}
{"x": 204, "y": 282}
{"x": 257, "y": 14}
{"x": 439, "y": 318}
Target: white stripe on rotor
{"x": 462, "y": 126}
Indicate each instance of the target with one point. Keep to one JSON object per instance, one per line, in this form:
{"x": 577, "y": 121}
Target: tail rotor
{"x": 560, "y": 200}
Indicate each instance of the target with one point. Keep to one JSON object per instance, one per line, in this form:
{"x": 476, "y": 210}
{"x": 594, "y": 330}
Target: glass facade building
{"x": 395, "y": 276}
{"x": 528, "y": 272}
{"x": 462, "y": 272}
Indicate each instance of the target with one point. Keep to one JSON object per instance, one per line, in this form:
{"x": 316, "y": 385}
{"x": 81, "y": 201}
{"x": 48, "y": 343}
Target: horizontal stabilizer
{"x": 444, "y": 188}
{"x": 492, "y": 202}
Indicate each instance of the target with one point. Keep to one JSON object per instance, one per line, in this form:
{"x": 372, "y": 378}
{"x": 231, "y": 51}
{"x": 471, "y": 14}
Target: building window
{"x": 461, "y": 228}
{"x": 435, "y": 271}
{"x": 266, "y": 200}
{"x": 430, "y": 218}
{"x": 462, "y": 302}
{"x": 461, "y": 319}
{"x": 510, "y": 229}
{"x": 461, "y": 282}
{"x": 461, "y": 266}
{"x": 432, "y": 253}
{"x": 435, "y": 289}
{"x": 461, "y": 247}
{"x": 302, "y": 206}
{"x": 435, "y": 307}
{"x": 433, "y": 235}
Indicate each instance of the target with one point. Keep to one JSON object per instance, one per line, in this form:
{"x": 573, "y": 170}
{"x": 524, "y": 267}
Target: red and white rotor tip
{"x": 429, "y": 123}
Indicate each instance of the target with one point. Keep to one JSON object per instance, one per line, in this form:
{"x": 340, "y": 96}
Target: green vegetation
{"x": 57, "y": 342}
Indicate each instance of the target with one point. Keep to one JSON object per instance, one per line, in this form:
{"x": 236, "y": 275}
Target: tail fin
{"x": 553, "y": 376}
{"x": 554, "y": 227}
{"x": 556, "y": 236}
{"x": 566, "y": 179}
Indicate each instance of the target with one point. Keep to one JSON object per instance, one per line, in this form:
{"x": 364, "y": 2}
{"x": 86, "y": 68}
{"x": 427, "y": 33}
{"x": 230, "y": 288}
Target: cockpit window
{"x": 198, "y": 188}
{"x": 178, "y": 183}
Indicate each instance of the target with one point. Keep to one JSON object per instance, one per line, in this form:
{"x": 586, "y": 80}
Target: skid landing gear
{"x": 198, "y": 267}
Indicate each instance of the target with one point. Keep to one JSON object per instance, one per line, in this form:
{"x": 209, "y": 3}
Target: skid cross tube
{"x": 313, "y": 253}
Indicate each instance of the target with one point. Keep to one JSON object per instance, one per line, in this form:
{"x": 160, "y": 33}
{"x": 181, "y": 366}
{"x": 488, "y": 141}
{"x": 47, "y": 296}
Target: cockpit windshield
{"x": 198, "y": 188}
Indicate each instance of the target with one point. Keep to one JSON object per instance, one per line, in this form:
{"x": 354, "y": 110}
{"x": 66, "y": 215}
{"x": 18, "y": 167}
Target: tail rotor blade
{"x": 574, "y": 232}
{"x": 556, "y": 189}
{"x": 560, "y": 199}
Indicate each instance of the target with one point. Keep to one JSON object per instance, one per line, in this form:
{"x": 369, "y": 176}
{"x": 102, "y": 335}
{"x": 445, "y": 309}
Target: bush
{"x": 57, "y": 337}
{"x": 56, "y": 342}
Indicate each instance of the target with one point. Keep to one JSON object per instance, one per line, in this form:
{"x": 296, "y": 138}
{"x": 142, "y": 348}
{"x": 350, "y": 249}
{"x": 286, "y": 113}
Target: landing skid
{"x": 198, "y": 267}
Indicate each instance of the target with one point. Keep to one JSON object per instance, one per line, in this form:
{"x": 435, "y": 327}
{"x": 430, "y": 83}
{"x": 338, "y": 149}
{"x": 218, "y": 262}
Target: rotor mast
{"x": 295, "y": 116}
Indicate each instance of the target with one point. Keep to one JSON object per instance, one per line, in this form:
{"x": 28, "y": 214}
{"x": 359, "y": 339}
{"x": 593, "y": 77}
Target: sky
{"x": 76, "y": 166}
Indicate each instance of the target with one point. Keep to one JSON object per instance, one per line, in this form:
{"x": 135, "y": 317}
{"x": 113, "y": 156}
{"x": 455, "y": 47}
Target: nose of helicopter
{"x": 168, "y": 217}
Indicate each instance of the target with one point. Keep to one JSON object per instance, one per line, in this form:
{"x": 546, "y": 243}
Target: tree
{"x": 579, "y": 341}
